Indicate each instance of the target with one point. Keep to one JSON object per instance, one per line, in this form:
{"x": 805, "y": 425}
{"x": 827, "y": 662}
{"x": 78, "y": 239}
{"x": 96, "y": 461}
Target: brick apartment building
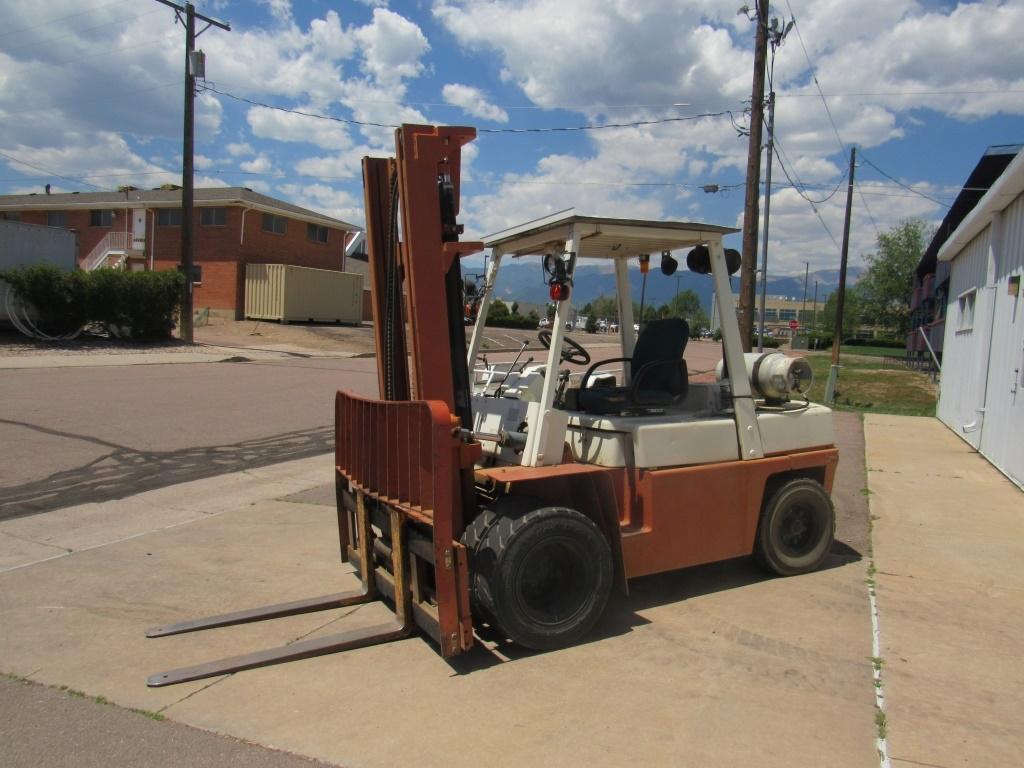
{"x": 233, "y": 226}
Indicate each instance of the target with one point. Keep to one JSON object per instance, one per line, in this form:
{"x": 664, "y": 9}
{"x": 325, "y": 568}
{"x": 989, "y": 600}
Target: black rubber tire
{"x": 796, "y": 529}
{"x": 540, "y": 574}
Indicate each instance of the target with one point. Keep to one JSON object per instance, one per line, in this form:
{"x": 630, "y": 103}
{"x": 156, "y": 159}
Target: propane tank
{"x": 773, "y": 375}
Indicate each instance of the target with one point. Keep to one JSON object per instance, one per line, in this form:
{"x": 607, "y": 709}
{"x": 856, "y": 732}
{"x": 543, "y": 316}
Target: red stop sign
{"x": 793, "y": 325}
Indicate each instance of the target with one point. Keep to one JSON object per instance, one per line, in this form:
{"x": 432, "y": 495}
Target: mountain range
{"x": 525, "y": 282}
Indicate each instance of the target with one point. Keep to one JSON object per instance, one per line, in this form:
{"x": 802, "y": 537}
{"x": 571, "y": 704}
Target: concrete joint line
{"x": 881, "y": 740}
{"x": 70, "y": 552}
{"x": 64, "y": 550}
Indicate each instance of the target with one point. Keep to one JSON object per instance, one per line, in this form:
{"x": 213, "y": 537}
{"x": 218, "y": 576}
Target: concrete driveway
{"x": 710, "y": 666}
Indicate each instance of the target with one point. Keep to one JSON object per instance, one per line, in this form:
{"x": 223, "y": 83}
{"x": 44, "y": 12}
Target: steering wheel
{"x": 575, "y": 353}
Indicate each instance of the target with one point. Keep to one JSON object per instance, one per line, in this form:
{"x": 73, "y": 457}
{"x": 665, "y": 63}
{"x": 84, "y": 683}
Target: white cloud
{"x": 337, "y": 203}
{"x": 473, "y": 102}
{"x": 284, "y": 126}
{"x": 281, "y": 9}
{"x": 392, "y": 47}
{"x": 237, "y": 149}
{"x": 259, "y": 164}
{"x": 344, "y": 165}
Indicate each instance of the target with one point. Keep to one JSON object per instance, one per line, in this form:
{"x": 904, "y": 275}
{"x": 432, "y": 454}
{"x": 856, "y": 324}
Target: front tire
{"x": 540, "y": 574}
{"x": 796, "y": 529}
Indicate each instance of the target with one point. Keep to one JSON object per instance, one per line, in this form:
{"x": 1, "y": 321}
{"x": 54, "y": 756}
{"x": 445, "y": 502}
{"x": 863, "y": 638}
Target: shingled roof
{"x": 169, "y": 198}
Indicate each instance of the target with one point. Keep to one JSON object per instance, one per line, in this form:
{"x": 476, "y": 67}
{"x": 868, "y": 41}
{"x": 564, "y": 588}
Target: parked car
{"x": 544, "y": 323}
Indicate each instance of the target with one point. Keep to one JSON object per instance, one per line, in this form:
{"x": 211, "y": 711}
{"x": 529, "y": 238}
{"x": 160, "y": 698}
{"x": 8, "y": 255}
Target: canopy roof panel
{"x": 601, "y": 237}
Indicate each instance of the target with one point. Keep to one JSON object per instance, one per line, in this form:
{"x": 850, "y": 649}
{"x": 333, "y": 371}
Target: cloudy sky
{"x": 91, "y": 97}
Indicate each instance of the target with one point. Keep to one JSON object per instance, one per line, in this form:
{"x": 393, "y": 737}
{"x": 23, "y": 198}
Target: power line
{"x": 48, "y": 172}
{"x": 814, "y": 207}
{"x": 119, "y": 96}
{"x": 548, "y": 129}
{"x": 814, "y": 76}
{"x": 78, "y": 32}
{"x": 92, "y": 9}
{"x": 800, "y": 192}
{"x": 78, "y": 59}
{"x": 900, "y": 183}
{"x": 824, "y": 102}
{"x": 841, "y": 94}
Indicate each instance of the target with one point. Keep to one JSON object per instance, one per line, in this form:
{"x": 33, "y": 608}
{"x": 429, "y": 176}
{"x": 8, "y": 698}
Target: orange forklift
{"x": 521, "y": 501}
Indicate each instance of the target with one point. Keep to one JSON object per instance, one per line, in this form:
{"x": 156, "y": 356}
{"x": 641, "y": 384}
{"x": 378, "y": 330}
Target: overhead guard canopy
{"x": 601, "y": 237}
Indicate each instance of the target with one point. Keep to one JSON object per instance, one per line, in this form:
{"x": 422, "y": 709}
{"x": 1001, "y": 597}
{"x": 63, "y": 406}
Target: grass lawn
{"x": 872, "y": 351}
{"x": 866, "y": 387}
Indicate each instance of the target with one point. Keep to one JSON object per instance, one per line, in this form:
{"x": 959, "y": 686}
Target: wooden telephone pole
{"x": 188, "y": 151}
{"x": 750, "y": 207}
{"x": 837, "y": 328}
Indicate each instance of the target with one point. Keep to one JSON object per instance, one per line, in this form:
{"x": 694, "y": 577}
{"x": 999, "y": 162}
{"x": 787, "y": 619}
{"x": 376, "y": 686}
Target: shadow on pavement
{"x": 126, "y": 471}
{"x": 644, "y": 593}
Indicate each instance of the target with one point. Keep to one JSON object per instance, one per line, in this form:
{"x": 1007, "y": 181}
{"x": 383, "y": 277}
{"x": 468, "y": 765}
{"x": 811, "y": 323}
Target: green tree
{"x": 885, "y": 288}
{"x": 515, "y": 307}
{"x": 498, "y": 311}
{"x": 605, "y": 307}
{"x": 853, "y": 312}
{"x": 591, "y": 326}
{"x": 686, "y": 304}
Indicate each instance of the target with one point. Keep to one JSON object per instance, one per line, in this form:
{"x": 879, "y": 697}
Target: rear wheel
{"x": 796, "y": 529}
{"x": 541, "y": 574}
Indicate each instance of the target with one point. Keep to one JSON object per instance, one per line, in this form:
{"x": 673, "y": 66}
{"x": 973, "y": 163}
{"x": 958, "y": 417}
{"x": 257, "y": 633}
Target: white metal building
{"x": 982, "y": 392}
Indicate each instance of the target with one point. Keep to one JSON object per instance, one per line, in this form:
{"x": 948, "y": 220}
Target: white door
{"x": 139, "y": 229}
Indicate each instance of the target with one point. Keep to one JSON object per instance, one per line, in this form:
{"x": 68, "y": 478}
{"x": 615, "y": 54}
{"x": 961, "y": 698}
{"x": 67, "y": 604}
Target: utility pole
{"x": 814, "y": 320}
{"x": 807, "y": 270}
{"x": 192, "y": 64}
{"x": 837, "y": 334}
{"x": 767, "y": 209}
{"x": 750, "y": 206}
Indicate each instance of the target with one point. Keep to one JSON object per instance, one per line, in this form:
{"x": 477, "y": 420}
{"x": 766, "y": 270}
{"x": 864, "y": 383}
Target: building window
{"x": 56, "y": 219}
{"x": 316, "y": 233}
{"x": 787, "y": 314}
{"x": 965, "y": 304}
{"x": 276, "y": 224}
{"x": 770, "y": 314}
{"x": 168, "y": 217}
{"x": 213, "y": 217}
{"x": 102, "y": 218}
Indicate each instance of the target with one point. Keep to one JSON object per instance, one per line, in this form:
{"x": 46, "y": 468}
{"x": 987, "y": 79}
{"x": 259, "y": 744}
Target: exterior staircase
{"x": 112, "y": 251}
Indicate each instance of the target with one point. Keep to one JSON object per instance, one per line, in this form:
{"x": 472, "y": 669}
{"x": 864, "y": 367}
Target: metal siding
{"x": 1002, "y": 437}
{"x": 322, "y": 295}
{"x": 264, "y": 291}
{"x": 963, "y": 365}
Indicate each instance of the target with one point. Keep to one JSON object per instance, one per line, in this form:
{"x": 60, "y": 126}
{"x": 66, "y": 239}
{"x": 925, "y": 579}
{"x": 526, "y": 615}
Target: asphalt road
{"x": 78, "y": 435}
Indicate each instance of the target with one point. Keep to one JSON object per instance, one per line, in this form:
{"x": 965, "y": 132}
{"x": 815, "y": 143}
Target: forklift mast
{"x": 422, "y": 185}
{"x": 404, "y": 468}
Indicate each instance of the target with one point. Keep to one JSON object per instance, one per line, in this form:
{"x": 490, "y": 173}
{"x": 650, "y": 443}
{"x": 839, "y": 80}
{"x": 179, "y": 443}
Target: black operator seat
{"x": 659, "y": 375}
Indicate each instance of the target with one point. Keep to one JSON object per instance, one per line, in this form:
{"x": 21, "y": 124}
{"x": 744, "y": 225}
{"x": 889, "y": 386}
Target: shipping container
{"x": 289, "y": 294}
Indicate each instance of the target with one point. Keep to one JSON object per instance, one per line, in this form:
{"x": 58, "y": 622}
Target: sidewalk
{"x": 198, "y": 354}
{"x": 715, "y": 665}
{"x": 709, "y": 666}
{"x": 949, "y": 552}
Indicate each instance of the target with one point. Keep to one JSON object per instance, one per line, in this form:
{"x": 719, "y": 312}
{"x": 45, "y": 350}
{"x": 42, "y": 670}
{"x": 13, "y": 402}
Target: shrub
{"x": 513, "y": 321}
{"x": 139, "y": 305}
{"x": 59, "y": 297}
